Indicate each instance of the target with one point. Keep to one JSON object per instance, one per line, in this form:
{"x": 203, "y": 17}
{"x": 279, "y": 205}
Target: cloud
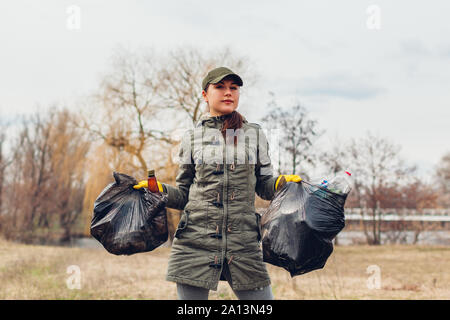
{"x": 340, "y": 85}
{"x": 444, "y": 51}
{"x": 415, "y": 48}
{"x": 418, "y": 49}
{"x": 422, "y": 59}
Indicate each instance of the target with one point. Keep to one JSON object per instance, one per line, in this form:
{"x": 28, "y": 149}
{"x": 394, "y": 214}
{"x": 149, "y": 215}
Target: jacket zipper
{"x": 225, "y": 206}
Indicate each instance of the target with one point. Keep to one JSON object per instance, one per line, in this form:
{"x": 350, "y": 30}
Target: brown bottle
{"x": 152, "y": 182}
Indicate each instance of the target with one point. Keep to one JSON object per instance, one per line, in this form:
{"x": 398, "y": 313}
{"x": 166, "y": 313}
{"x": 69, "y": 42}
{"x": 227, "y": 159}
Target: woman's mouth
{"x": 228, "y": 101}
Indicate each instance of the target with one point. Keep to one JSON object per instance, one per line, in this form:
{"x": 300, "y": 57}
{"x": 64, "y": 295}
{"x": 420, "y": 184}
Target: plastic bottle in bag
{"x": 341, "y": 183}
{"x": 324, "y": 183}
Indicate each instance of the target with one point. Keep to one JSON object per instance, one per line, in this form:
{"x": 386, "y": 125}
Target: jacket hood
{"x": 209, "y": 120}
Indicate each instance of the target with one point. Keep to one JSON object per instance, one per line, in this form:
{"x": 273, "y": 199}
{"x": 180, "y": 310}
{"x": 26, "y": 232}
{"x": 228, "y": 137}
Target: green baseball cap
{"x": 218, "y": 74}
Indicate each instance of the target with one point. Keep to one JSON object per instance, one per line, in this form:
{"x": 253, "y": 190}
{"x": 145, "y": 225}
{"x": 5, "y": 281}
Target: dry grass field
{"x": 41, "y": 272}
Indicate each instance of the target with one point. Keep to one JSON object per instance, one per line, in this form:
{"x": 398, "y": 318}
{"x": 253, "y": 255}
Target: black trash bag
{"x": 127, "y": 220}
{"x": 299, "y": 225}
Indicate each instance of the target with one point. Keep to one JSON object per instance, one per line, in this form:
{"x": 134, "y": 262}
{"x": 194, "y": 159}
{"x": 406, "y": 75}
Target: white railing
{"x": 399, "y": 214}
{"x": 394, "y": 217}
{"x": 402, "y": 212}
{"x": 435, "y": 215}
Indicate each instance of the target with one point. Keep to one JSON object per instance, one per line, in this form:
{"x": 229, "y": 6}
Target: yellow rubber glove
{"x": 281, "y": 181}
{"x": 144, "y": 184}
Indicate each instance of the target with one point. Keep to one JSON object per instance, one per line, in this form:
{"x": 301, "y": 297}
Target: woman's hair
{"x": 233, "y": 120}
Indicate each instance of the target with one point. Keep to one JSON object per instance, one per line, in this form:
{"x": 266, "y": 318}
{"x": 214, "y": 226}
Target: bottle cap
{"x": 151, "y": 172}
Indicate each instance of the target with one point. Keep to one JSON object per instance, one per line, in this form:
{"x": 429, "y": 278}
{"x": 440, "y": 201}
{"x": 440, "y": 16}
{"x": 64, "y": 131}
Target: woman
{"x": 218, "y": 235}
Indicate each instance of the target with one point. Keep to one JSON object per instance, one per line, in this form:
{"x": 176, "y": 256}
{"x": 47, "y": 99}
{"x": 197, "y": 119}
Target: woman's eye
{"x": 221, "y": 86}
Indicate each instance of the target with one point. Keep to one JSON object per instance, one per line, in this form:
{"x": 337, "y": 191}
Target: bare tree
{"x": 69, "y": 147}
{"x": 185, "y": 69}
{"x": 46, "y": 179}
{"x": 382, "y": 181}
{"x": 123, "y": 113}
{"x": 442, "y": 178}
{"x": 297, "y": 136}
{"x": 5, "y": 161}
{"x": 376, "y": 168}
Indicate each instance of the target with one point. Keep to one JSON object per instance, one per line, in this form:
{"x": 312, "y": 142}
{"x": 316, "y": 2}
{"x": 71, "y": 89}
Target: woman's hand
{"x": 144, "y": 184}
{"x": 284, "y": 178}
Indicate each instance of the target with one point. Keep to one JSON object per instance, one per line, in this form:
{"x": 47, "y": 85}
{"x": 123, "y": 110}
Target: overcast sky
{"x": 382, "y": 66}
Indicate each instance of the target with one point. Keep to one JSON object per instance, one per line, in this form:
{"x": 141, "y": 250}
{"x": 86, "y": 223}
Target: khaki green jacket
{"x": 215, "y": 188}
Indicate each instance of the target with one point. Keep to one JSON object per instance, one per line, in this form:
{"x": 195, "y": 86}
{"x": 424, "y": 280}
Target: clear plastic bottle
{"x": 342, "y": 183}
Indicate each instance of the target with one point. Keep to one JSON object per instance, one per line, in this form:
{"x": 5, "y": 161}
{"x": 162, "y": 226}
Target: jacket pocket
{"x": 182, "y": 225}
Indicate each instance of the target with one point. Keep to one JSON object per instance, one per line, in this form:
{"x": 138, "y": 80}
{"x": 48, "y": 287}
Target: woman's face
{"x": 222, "y": 97}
